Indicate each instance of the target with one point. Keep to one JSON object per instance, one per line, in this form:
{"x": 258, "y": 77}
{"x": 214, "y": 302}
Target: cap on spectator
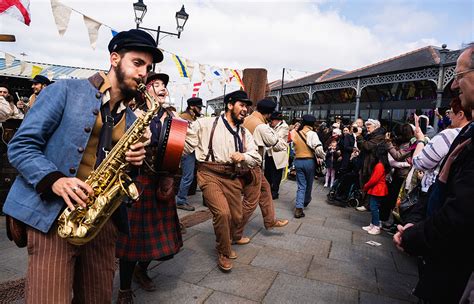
{"x": 195, "y": 101}
{"x": 266, "y": 106}
{"x": 309, "y": 119}
{"x": 276, "y": 116}
{"x": 135, "y": 39}
{"x": 41, "y": 79}
{"x": 154, "y": 76}
{"x": 336, "y": 125}
{"x": 238, "y": 95}
{"x": 373, "y": 122}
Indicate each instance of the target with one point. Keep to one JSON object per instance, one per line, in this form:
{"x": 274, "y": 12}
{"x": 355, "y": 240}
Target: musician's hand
{"x": 72, "y": 190}
{"x": 20, "y": 104}
{"x": 136, "y": 154}
{"x": 237, "y": 157}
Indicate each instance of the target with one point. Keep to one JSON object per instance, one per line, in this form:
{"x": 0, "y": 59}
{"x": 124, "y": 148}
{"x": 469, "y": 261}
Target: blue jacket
{"x": 51, "y": 141}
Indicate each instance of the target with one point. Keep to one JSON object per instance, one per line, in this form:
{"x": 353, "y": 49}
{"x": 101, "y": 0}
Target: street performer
{"x": 57, "y": 146}
{"x": 258, "y": 192}
{"x": 224, "y": 152}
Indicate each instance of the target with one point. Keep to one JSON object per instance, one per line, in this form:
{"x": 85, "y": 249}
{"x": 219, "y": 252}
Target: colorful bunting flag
{"x": 237, "y": 76}
{"x": 180, "y": 65}
{"x": 18, "y": 9}
{"x": 35, "y": 70}
{"x": 190, "y": 68}
{"x": 93, "y": 29}
{"x": 196, "y": 88}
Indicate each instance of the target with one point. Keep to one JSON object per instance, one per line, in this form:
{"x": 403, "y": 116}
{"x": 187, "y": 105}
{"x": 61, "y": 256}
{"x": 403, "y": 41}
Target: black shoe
{"x": 299, "y": 213}
{"x": 186, "y": 207}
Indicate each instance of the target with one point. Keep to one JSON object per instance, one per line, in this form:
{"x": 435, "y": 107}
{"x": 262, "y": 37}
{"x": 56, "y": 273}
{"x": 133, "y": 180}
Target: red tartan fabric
{"x": 154, "y": 225}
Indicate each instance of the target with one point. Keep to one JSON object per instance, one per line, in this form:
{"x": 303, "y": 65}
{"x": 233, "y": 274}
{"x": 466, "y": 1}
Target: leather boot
{"x": 125, "y": 297}
{"x": 299, "y": 212}
{"x": 141, "y": 277}
{"x": 223, "y": 262}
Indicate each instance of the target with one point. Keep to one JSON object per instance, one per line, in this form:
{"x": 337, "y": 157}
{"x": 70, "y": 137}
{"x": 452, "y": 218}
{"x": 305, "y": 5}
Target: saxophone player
{"x": 60, "y": 142}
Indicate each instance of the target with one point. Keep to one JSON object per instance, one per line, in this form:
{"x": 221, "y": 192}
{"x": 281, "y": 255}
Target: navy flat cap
{"x": 195, "y": 101}
{"x": 136, "y": 40}
{"x": 309, "y": 119}
{"x": 41, "y": 79}
{"x": 237, "y": 96}
{"x": 161, "y": 76}
{"x": 266, "y": 106}
{"x": 276, "y": 116}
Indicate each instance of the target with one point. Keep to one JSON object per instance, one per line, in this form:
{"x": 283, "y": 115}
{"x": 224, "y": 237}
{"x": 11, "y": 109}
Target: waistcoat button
{"x": 80, "y": 149}
{"x": 72, "y": 170}
{"x": 98, "y": 95}
{"x": 87, "y": 129}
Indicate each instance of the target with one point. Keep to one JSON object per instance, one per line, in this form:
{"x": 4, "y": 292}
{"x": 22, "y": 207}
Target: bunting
{"x": 235, "y": 73}
{"x": 93, "y": 29}
{"x": 181, "y": 66}
{"x": 18, "y": 9}
{"x": 190, "y": 68}
{"x": 61, "y": 14}
{"x": 9, "y": 58}
{"x": 35, "y": 70}
{"x": 196, "y": 88}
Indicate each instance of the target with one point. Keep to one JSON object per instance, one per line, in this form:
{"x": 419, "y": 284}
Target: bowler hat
{"x": 161, "y": 76}
{"x": 266, "y": 106}
{"x": 238, "y": 95}
{"x": 195, "y": 101}
{"x": 309, "y": 119}
{"x": 276, "y": 116}
{"x": 41, "y": 79}
{"x": 135, "y": 39}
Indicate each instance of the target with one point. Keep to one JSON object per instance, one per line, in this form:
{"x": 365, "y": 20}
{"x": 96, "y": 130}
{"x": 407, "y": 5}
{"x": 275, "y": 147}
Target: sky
{"x": 301, "y": 36}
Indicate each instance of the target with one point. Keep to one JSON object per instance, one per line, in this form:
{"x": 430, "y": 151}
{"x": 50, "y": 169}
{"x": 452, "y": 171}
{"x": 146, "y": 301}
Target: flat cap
{"x": 154, "y": 76}
{"x": 238, "y": 95}
{"x": 195, "y": 101}
{"x": 135, "y": 39}
{"x": 266, "y": 106}
{"x": 276, "y": 116}
{"x": 41, "y": 79}
{"x": 309, "y": 119}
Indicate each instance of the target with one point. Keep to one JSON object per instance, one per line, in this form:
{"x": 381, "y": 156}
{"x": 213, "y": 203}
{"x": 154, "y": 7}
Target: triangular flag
{"x": 190, "y": 68}
{"x": 114, "y": 32}
{"x": 202, "y": 70}
{"x": 50, "y": 74}
{"x": 237, "y": 76}
{"x": 217, "y": 72}
{"x": 23, "y": 66}
{"x": 9, "y": 58}
{"x": 196, "y": 87}
{"x": 18, "y": 9}
{"x": 209, "y": 86}
{"x": 183, "y": 72}
{"x": 93, "y": 29}
{"x": 61, "y": 15}
{"x": 35, "y": 70}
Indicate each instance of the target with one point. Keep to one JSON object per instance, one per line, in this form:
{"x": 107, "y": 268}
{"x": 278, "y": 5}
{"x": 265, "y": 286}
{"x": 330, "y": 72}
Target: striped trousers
{"x": 59, "y": 272}
{"x": 224, "y": 199}
{"x": 257, "y": 193}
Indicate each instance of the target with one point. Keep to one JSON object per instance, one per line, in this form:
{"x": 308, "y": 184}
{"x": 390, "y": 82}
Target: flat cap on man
{"x": 41, "y": 79}
{"x": 238, "y": 95}
{"x": 154, "y": 76}
{"x": 195, "y": 101}
{"x": 309, "y": 119}
{"x": 135, "y": 39}
{"x": 276, "y": 116}
{"x": 266, "y": 106}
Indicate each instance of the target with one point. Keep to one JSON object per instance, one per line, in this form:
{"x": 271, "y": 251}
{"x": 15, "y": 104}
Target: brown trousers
{"x": 59, "y": 272}
{"x": 258, "y": 192}
{"x": 223, "y": 198}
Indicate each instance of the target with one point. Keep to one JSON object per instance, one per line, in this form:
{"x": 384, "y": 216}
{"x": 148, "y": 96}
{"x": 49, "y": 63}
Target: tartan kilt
{"x": 154, "y": 226}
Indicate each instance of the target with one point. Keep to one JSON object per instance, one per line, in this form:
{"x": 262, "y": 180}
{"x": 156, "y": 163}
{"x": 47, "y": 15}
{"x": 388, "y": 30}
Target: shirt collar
{"x": 105, "y": 89}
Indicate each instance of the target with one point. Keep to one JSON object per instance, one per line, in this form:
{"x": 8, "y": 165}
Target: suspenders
{"x": 210, "y": 152}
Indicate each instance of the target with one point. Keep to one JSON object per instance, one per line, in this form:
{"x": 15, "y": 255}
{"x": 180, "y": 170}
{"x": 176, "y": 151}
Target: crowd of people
{"x": 417, "y": 187}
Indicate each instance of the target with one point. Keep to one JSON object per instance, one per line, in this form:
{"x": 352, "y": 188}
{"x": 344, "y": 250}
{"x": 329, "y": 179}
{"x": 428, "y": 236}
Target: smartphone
{"x": 423, "y": 123}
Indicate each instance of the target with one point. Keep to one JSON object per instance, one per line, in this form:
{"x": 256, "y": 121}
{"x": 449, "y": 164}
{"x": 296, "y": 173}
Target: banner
{"x": 181, "y": 66}
{"x": 18, "y": 9}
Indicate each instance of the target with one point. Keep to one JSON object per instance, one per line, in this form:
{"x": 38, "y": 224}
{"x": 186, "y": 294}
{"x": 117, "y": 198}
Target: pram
{"x": 346, "y": 189}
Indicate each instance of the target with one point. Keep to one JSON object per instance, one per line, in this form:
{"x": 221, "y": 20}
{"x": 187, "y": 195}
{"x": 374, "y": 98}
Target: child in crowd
{"x": 376, "y": 187}
{"x": 331, "y": 162}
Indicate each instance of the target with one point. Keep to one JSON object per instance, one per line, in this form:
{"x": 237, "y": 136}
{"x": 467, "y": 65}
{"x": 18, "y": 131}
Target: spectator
{"x": 8, "y": 109}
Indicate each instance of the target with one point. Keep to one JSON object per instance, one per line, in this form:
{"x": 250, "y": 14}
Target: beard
{"x": 235, "y": 117}
{"x": 127, "y": 92}
{"x": 196, "y": 112}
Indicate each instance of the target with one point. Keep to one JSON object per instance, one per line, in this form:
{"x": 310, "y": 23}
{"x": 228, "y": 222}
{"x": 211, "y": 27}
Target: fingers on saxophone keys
{"x": 76, "y": 194}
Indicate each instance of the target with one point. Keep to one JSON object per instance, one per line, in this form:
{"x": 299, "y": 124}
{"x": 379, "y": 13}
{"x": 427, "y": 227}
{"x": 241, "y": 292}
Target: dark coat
{"x": 347, "y": 146}
{"x": 446, "y": 239}
{"x": 367, "y": 147}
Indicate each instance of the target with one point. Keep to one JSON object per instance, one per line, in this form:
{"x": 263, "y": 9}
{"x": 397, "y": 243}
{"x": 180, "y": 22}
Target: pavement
{"x": 321, "y": 258}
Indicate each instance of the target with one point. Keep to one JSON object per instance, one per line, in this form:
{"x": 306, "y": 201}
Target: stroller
{"x": 346, "y": 189}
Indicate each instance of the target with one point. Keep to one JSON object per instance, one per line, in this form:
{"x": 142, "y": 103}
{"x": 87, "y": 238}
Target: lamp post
{"x": 140, "y": 10}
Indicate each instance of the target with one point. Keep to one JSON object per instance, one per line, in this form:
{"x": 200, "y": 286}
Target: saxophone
{"x": 109, "y": 182}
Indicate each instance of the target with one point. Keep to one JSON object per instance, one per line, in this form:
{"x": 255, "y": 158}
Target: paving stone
{"x": 370, "y": 298}
{"x": 172, "y": 290}
{"x": 342, "y": 273}
{"x": 363, "y": 255}
{"x": 363, "y": 218}
{"x": 396, "y": 285}
{"x": 405, "y": 264}
{"x": 325, "y": 233}
{"x": 246, "y": 253}
{"x": 342, "y": 223}
{"x": 330, "y": 213}
{"x": 311, "y": 216}
{"x": 188, "y": 265}
{"x": 281, "y": 260}
{"x": 224, "y": 298}
{"x": 205, "y": 227}
{"x": 292, "y": 289}
{"x": 244, "y": 281}
{"x": 202, "y": 242}
{"x": 294, "y": 242}
{"x": 190, "y": 232}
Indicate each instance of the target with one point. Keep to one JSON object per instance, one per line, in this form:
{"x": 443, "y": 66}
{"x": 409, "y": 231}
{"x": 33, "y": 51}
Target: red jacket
{"x": 377, "y": 185}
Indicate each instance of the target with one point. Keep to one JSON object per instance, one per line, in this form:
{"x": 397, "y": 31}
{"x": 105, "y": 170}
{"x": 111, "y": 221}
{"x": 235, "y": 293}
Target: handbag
{"x": 409, "y": 201}
{"x": 16, "y": 231}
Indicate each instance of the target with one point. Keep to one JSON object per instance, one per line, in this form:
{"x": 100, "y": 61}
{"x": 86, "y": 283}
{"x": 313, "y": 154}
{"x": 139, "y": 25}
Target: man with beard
{"x": 39, "y": 83}
{"x": 444, "y": 239}
{"x": 193, "y": 112}
{"x": 60, "y": 142}
{"x": 224, "y": 152}
{"x": 258, "y": 192}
